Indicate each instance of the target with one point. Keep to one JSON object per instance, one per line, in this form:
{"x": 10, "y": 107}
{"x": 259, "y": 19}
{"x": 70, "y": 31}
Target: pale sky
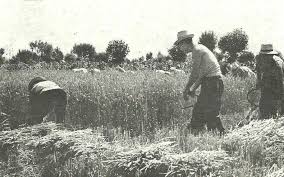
{"x": 145, "y": 25}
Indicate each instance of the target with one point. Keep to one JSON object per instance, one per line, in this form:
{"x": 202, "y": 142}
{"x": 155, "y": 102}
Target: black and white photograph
{"x": 141, "y": 88}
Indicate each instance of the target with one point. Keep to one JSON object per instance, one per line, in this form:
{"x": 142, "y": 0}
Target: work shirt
{"x": 205, "y": 64}
{"x": 270, "y": 70}
{"x": 44, "y": 86}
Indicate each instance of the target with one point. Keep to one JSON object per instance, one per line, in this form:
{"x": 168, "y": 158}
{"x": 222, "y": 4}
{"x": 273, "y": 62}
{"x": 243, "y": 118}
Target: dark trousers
{"x": 270, "y": 104}
{"x": 206, "y": 111}
{"x": 44, "y": 103}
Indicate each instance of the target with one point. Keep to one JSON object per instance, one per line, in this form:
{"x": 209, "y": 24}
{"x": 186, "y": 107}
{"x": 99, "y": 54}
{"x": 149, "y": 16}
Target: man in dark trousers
{"x": 47, "y": 101}
{"x": 207, "y": 73}
{"x": 270, "y": 68}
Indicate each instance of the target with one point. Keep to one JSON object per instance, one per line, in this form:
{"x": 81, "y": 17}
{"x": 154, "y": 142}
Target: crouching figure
{"x": 47, "y": 101}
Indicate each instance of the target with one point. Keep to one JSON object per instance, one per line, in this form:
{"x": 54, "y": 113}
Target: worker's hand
{"x": 192, "y": 93}
{"x": 44, "y": 119}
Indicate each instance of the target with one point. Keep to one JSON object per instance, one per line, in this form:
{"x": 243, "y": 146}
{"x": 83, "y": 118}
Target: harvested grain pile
{"x": 278, "y": 173}
{"x": 154, "y": 162}
{"x": 260, "y": 142}
{"x": 52, "y": 150}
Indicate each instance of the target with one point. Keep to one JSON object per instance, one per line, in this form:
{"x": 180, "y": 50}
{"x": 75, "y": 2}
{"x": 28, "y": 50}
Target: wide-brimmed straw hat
{"x": 267, "y": 49}
{"x": 182, "y": 35}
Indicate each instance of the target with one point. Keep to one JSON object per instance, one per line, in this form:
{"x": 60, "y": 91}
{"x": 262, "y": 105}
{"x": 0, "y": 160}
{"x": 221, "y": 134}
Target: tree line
{"x": 233, "y": 46}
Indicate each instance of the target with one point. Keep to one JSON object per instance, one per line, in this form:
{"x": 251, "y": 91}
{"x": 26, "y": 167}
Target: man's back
{"x": 209, "y": 63}
{"x": 44, "y": 86}
{"x": 270, "y": 74}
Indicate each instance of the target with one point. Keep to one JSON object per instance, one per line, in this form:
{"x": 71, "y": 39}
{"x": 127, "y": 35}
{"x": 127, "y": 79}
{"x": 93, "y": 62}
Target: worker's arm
{"x": 194, "y": 78}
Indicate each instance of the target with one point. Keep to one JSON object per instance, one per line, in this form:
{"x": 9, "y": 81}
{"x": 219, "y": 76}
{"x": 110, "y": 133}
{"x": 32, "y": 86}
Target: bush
{"x": 43, "y": 50}
{"x": 25, "y": 56}
{"x": 2, "y": 59}
{"x": 84, "y": 51}
{"x": 57, "y": 55}
{"x": 149, "y": 56}
{"x": 177, "y": 54}
{"x": 101, "y": 57}
{"x": 209, "y": 39}
{"x": 233, "y": 43}
{"x": 247, "y": 58}
{"x": 70, "y": 58}
{"x": 117, "y": 50}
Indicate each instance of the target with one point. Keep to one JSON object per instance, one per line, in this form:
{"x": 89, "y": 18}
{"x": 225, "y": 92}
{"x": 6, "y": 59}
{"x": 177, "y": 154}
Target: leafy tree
{"x": 177, "y": 54}
{"x": 46, "y": 52}
{"x": 2, "y": 51}
{"x": 101, "y": 57}
{"x": 25, "y": 56}
{"x": 70, "y": 58}
{"x": 141, "y": 59}
{"x": 2, "y": 59}
{"x": 160, "y": 57}
{"x": 117, "y": 50}
{"x": 43, "y": 49}
{"x": 246, "y": 56}
{"x": 84, "y": 51}
{"x": 149, "y": 56}
{"x": 248, "y": 59}
{"x": 219, "y": 56}
{"x": 208, "y": 39}
{"x": 233, "y": 43}
{"x": 57, "y": 55}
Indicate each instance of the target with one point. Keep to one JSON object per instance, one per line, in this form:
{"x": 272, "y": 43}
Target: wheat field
{"x": 132, "y": 125}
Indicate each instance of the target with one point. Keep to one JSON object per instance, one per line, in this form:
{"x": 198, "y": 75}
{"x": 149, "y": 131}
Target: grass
{"x": 140, "y": 101}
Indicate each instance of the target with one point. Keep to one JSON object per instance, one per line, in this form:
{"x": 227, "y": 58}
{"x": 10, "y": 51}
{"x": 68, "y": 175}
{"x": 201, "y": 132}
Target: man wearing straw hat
{"x": 269, "y": 67}
{"x": 207, "y": 73}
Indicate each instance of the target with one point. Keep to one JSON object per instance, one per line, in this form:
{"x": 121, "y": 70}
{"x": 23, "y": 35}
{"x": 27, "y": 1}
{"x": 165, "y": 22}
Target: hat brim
{"x": 185, "y": 37}
{"x": 269, "y": 53}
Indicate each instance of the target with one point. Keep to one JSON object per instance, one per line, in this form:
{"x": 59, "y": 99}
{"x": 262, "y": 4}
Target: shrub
{"x": 84, "y": 51}
{"x": 57, "y": 55}
{"x": 70, "y": 58}
{"x": 25, "y": 56}
{"x": 177, "y": 54}
{"x": 149, "y": 56}
{"x": 101, "y": 57}
{"x": 247, "y": 58}
{"x": 43, "y": 50}
{"x": 2, "y": 59}
{"x": 233, "y": 43}
{"x": 117, "y": 50}
{"x": 209, "y": 39}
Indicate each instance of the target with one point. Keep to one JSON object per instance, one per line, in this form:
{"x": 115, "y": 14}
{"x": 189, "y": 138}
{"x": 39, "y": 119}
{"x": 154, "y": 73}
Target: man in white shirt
{"x": 207, "y": 73}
